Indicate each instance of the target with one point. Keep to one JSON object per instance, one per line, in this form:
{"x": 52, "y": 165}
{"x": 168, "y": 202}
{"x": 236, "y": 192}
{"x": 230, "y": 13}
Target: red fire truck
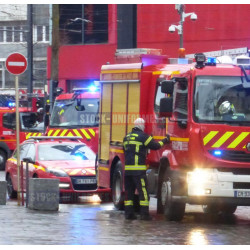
{"x": 203, "y": 106}
{"x": 31, "y": 124}
{"x": 77, "y": 114}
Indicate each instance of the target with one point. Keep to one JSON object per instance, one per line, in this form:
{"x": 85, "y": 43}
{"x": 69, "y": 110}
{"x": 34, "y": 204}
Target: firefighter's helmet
{"x": 226, "y": 108}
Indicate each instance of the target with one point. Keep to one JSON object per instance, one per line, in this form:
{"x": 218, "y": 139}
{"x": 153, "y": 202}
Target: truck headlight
{"x": 200, "y": 179}
{"x": 57, "y": 172}
{"x": 201, "y": 175}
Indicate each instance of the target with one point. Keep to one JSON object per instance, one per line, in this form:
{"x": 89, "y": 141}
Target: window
{"x": 31, "y": 152}
{"x": 84, "y": 24}
{"x": 180, "y": 103}
{"x": 221, "y": 99}
{"x": 9, "y": 34}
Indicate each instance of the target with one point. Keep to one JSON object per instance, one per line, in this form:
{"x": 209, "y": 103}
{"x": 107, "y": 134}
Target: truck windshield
{"x": 75, "y": 113}
{"x": 221, "y": 99}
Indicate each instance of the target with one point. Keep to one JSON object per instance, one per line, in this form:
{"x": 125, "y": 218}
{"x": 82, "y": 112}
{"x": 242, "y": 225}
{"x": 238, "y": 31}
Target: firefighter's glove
{"x": 166, "y": 140}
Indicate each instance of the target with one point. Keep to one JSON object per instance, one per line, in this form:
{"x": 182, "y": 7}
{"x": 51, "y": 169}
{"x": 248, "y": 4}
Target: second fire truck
{"x": 203, "y": 106}
{"x": 77, "y": 114}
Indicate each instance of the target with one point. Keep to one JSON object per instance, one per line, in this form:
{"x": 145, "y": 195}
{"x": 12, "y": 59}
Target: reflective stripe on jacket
{"x": 135, "y": 146}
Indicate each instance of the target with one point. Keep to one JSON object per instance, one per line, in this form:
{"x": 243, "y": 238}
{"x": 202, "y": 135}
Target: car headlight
{"x": 57, "y": 172}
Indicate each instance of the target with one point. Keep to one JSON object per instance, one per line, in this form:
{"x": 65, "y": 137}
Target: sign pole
{"x": 17, "y": 139}
{"x": 16, "y": 64}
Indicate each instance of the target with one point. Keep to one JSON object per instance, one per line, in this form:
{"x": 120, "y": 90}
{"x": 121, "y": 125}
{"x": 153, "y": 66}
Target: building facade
{"x": 13, "y": 38}
{"x": 89, "y": 34}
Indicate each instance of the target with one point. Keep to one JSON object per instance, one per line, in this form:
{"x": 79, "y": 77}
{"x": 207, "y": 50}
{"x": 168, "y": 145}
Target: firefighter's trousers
{"x": 139, "y": 182}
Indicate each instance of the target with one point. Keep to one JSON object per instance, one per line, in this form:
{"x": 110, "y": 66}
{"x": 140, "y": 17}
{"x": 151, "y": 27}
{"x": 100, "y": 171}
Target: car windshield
{"x": 222, "y": 99}
{"x": 75, "y": 112}
{"x": 65, "y": 152}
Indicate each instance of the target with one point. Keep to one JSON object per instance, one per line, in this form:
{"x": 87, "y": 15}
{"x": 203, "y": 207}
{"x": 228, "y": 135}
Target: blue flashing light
{"x": 11, "y": 104}
{"x": 211, "y": 61}
{"x": 92, "y": 88}
{"x": 217, "y": 153}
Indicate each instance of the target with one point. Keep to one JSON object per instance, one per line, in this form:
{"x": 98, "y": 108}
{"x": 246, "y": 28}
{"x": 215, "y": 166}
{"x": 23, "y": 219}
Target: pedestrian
{"x": 136, "y": 145}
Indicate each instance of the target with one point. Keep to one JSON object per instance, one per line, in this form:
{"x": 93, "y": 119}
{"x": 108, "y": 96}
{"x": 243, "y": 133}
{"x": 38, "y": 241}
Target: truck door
{"x": 178, "y": 126}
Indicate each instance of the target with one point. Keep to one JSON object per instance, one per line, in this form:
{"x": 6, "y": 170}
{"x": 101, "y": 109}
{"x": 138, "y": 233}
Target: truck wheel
{"x": 10, "y": 189}
{"x": 3, "y": 158}
{"x": 173, "y": 210}
{"x": 117, "y": 186}
{"x": 228, "y": 209}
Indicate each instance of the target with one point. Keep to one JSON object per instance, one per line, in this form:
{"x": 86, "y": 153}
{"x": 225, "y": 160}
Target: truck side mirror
{"x": 167, "y": 87}
{"x": 166, "y": 107}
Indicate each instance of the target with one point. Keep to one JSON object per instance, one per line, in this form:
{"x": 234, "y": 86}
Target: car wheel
{"x": 173, "y": 210}
{"x": 117, "y": 186}
{"x": 10, "y": 189}
{"x": 3, "y": 158}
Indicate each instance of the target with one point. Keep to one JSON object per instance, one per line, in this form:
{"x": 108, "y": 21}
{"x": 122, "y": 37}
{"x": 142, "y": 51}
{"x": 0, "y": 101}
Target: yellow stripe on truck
{"x": 209, "y": 137}
{"x": 238, "y": 140}
{"x": 223, "y": 139}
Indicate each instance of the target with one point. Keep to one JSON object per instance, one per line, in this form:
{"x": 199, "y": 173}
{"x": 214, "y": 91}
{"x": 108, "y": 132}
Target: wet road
{"x": 101, "y": 224}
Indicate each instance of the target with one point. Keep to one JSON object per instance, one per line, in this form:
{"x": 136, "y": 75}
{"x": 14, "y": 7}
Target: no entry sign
{"x": 16, "y": 63}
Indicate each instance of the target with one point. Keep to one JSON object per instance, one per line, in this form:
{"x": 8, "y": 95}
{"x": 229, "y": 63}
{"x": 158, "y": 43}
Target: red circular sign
{"x": 16, "y": 63}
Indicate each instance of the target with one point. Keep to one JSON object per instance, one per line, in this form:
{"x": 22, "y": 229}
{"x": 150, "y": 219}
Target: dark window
{"x": 83, "y": 24}
{"x": 47, "y": 33}
{"x": 1, "y": 34}
{"x": 39, "y": 33}
{"x": 17, "y": 34}
{"x": 9, "y": 34}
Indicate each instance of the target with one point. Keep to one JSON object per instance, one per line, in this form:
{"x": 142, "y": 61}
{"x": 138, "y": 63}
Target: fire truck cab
{"x": 204, "y": 107}
{"x": 77, "y": 114}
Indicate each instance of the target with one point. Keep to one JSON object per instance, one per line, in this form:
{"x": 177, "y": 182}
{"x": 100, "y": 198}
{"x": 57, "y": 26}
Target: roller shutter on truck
{"x": 120, "y": 104}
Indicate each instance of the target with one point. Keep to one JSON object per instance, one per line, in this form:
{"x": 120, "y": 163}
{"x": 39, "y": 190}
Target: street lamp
{"x": 183, "y": 15}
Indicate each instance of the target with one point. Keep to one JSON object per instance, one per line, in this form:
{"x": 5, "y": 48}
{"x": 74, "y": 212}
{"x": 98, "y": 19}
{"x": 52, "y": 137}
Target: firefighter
{"x": 136, "y": 144}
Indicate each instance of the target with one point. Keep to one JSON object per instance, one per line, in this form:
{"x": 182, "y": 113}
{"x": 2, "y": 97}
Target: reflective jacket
{"x": 135, "y": 146}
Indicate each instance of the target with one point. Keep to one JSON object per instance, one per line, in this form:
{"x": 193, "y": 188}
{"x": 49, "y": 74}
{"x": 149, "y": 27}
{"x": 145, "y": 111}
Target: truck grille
{"x": 84, "y": 183}
{"x": 228, "y": 155}
{"x": 241, "y": 185}
{"x": 236, "y": 171}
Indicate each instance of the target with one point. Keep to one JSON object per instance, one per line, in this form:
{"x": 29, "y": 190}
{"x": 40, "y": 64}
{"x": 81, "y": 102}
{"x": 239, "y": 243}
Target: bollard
{"x": 43, "y": 194}
{"x": 3, "y": 189}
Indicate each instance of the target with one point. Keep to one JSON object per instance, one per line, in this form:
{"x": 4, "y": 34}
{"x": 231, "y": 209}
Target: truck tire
{"x": 117, "y": 186}
{"x": 3, "y": 158}
{"x": 173, "y": 210}
{"x": 10, "y": 189}
{"x": 228, "y": 209}
{"x": 217, "y": 208}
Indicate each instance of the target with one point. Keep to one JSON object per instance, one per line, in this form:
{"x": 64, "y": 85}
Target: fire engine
{"x": 77, "y": 114}
{"x": 204, "y": 107}
{"x": 31, "y": 123}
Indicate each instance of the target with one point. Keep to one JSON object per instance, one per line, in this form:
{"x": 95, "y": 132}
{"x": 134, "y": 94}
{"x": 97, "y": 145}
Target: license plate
{"x": 242, "y": 194}
{"x": 85, "y": 181}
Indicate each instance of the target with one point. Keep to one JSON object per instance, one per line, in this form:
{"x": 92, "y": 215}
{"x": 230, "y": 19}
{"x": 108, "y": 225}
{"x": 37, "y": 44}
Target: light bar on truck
{"x": 11, "y": 104}
{"x": 211, "y": 61}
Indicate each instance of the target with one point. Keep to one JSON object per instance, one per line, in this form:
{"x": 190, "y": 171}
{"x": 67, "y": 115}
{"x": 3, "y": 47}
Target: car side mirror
{"x": 166, "y": 107}
{"x": 28, "y": 160}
